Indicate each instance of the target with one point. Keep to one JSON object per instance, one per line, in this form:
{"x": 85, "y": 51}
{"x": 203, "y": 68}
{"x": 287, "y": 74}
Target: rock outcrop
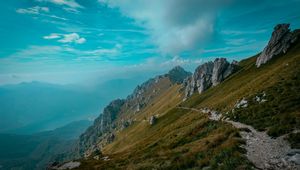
{"x": 152, "y": 120}
{"x": 281, "y": 40}
{"x": 207, "y": 75}
{"x": 103, "y": 124}
{"x": 222, "y": 69}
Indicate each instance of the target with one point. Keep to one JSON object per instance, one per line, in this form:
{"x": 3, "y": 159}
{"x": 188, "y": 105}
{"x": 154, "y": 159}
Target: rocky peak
{"x": 207, "y": 75}
{"x": 222, "y": 69}
{"x": 281, "y": 40}
{"x": 178, "y": 74}
{"x": 103, "y": 124}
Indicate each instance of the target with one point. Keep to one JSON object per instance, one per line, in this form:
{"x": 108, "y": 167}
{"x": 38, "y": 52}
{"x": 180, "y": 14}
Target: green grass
{"x": 294, "y": 139}
{"x": 183, "y": 139}
{"x": 180, "y": 140}
{"x": 279, "y": 79}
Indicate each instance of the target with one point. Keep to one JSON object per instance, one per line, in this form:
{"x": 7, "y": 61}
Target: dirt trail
{"x": 262, "y": 150}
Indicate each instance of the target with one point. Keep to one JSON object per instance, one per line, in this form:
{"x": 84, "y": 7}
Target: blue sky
{"x": 78, "y": 41}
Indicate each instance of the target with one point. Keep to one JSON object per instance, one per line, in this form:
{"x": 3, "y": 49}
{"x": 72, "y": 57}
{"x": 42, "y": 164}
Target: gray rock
{"x": 126, "y": 123}
{"x": 69, "y": 165}
{"x": 281, "y": 40}
{"x": 207, "y": 75}
{"x": 241, "y": 104}
{"x": 295, "y": 158}
{"x": 152, "y": 120}
{"x": 110, "y": 138}
{"x": 222, "y": 69}
{"x": 103, "y": 124}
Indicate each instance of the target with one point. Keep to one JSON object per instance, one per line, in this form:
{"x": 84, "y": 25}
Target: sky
{"x": 80, "y": 41}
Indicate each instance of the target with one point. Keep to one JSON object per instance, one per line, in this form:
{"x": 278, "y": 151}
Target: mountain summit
{"x": 282, "y": 39}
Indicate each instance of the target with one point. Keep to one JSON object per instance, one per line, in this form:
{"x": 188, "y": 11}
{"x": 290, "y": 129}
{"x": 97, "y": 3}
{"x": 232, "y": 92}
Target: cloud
{"x": 33, "y": 10}
{"x": 66, "y": 38}
{"x": 175, "y": 25}
{"x": 72, "y": 38}
{"x": 69, "y": 3}
{"x": 58, "y": 53}
{"x": 239, "y": 32}
{"x": 37, "y": 10}
{"x": 52, "y": 36}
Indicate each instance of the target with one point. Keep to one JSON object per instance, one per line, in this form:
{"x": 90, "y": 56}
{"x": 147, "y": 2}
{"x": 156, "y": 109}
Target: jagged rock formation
{"x": 207, "y": 75}
{"x": 116, "y": 116}
{"x": 103, "y": 124}
{"x": 281, "y": 40}
{"x": 222, "y": 69}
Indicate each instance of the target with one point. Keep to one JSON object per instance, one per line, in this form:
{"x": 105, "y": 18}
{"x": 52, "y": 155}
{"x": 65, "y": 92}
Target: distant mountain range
{"x": 33, "y": 107}
{"x": 29, "y": 152}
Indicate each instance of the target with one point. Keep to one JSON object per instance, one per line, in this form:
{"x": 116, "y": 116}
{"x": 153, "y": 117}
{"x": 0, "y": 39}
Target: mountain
{"x": 35, "y": 151}
{"x": 68, "y": 132}
{"x": 239, "y": 115}
{"x": 33, "y": 107}
{"x": 118, "y": 114}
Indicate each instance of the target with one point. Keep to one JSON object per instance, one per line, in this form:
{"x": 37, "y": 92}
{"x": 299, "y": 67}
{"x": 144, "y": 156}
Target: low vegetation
{"x": 279, "y": 80}
{"x": 185, "y": 139}
{"x": 180, "y": 139}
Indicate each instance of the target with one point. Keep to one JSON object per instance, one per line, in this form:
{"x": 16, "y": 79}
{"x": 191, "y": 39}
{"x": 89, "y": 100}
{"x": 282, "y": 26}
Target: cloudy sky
{"x": 75, "y": 41}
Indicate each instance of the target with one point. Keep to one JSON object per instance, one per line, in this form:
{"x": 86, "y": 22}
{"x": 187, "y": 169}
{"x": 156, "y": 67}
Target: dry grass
{"x": 183, "y": 139}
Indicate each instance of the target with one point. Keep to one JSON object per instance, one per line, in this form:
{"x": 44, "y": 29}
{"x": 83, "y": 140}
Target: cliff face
{"x": 207, "y": 75}
{"x": 281, "y": 40}
{"x": 118, "y": 114}
{"x": 102, "y": 125}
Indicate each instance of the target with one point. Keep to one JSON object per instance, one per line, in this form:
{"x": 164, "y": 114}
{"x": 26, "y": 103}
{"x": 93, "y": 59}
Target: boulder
{"x": 152, "y": 120}
{"x": 281, "y": 40}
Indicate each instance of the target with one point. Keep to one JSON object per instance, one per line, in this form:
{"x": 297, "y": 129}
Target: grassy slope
{"x": 279, "y": 79}
{"x": 184, "y": 139}
{"x": 179, "y": 140}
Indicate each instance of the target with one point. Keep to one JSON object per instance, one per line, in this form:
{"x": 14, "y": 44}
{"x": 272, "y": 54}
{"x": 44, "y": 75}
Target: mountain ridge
{"x": 185, "y": 139}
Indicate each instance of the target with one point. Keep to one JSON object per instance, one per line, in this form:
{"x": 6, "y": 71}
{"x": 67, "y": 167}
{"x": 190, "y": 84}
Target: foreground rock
{"x": 207, "y": 75}
{"x": 281, "y": 40}
{"x": 152, "y": 120}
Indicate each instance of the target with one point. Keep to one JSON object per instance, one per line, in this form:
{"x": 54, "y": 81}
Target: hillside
{"x": 36, "y": 150}
{"x": 210, "y": 129}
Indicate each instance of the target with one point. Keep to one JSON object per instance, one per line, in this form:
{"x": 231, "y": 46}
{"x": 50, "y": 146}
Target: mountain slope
{"x": 170, "y": 134}
{"x": 26, "y": 152}
{"x": 147, "y": 98}
{"x": 277, "y": 82}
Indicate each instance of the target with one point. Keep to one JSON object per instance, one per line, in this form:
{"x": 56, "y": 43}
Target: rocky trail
{"x": 263, "y": 151}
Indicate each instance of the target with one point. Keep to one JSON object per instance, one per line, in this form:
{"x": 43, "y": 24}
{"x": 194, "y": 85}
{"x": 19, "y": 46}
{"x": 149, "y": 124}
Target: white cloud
{"x": 72, "y": 38}
{"x": 33, "y": 10}
{"x": 52, "y": 36}
{"x": 238, "y": 32}
{"x": 37, "y": 10}
{"x": 175, "y": 25}
{"x": 69, "y": 3}
{"x": 66, "y": 38}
